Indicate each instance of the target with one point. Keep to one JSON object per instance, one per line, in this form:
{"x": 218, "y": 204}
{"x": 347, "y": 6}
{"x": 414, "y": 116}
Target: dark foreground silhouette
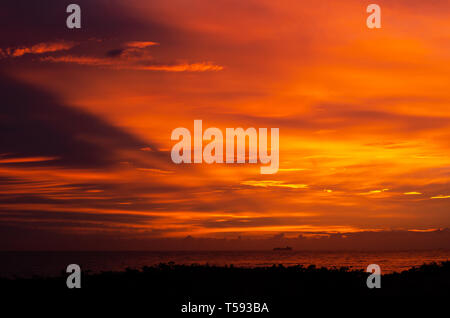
{"x": 166, "y": 287}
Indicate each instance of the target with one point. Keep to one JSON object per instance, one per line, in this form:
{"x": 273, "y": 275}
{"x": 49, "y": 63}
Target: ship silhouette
{"x": 287, "y": 248}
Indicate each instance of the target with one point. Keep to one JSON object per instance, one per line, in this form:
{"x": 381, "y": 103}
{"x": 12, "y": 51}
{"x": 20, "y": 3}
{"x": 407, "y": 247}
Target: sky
{"x": 87, "y": 114}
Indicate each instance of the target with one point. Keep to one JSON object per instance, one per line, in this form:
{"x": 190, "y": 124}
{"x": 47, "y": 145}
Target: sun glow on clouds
{"x": 375, "y": 191}
{"x": 363, "y": 119}
{"x": 273, "y": 183}
{"x": 140, "y": 44}
{"x": 27, "y": 159}
{"x": 113, "y": 63}
{"x": 40, "y": 48}
{"x": 441, "y": 197}
{"x": 133, "y": 56}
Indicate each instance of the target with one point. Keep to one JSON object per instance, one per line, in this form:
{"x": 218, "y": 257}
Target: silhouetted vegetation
{"x": 181, "y": 280}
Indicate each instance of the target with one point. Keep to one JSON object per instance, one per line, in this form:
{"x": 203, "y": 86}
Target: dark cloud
{"x": 35, "y": 123}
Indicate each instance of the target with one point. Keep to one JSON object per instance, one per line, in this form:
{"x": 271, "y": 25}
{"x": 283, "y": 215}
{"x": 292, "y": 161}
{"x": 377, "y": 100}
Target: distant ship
{"x": 287, "y": 248}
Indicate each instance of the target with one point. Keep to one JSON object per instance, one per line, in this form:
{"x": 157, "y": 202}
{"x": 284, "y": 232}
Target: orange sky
{"x": 364, "y": 117}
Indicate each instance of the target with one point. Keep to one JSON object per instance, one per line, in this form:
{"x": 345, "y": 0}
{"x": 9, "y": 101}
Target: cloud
{"x": 273, "y": 183}
{"x": 133, "y": 56}
{"x": 26, "y": 21}
{"x": 441, "y": 197}
{"x": 155, "y": 170}
{"x": 375, "y": 191}
{"x": 37, "y": 129}
{"x": 355, "y": 113}
{"x": 80, "y": 60}
{"x": 134, "y": 50}
{"x": 40, "y": 48}
{"x": 140, "y": 44}
{"x": 125, "y": 64}
{"x": 26, "y": 159}
{"x": 186, "y": 67}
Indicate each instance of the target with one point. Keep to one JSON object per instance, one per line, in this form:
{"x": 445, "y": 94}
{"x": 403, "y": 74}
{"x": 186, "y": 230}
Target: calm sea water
{"x": 26, "y": 264}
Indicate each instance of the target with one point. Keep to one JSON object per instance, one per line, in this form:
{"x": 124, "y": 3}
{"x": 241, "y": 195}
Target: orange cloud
{"x": 375, "y": 191}
{"x": 27, "y": 159}
{"x": 40, "y": 48}
{"x": 194, "y": 67}
{"x": 441, "y": 197}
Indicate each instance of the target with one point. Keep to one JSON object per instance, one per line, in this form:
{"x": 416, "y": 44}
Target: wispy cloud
{"x": 185, "y": 67}
{"x": 357, "y": 114}
{"x": 140, "y": 44}
{"x": 40, "y": 48}
{"x": 26, "y": 159}
{"x": 81, "y": 60}
{"x": 375, "y": 191}
{"x": 441, "y": 197}
{"x": 124, "y": 64}
{"x": 133, "y": 55}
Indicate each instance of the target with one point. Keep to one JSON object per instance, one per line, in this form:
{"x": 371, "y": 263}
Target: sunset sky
{"x": 86, "y": 116}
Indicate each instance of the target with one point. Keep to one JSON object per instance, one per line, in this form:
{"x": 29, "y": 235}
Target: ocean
{"x": 27, "y": 264}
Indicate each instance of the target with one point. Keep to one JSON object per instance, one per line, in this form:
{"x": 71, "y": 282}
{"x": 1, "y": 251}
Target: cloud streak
{"x": 126, "y": 65}
{"x": 40, "y": 48}
{"x": 134, "y": 55}
{"x": 359, "y": 112}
